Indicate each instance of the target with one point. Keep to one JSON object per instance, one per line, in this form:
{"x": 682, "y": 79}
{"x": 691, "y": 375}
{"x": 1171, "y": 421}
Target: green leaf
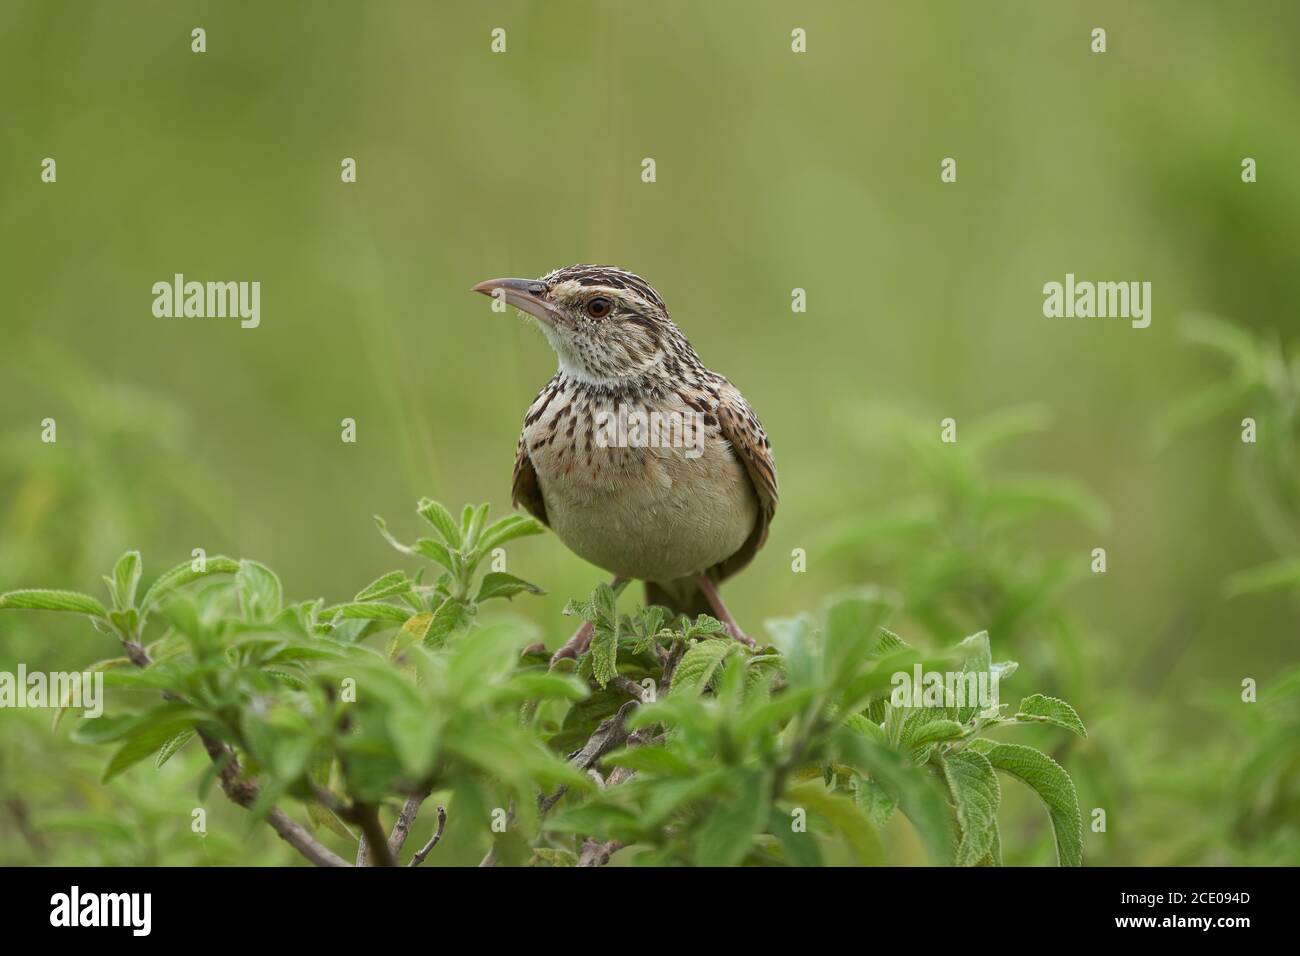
{"x": 1053, "y": 785}
{"x": 147, "y": 736}
{"x": 127, "y": 622}
{"x": 933, "y": 732}
{"x": 474, "y": 527}
{"x": 852, "y": 635}
{"x": 912, "y": 788}
{"x": 976, "y": 795}
{"x": 260, "y": 594}
{"x": 800, "y": 848}
{"x": 126, "y": 579}
{"x": 604, "y": 654}
{"x": 978, "y": 661}
{"x": 173, "y": 745}
{"x": 1049, "y": 710}
{"x": 394, "y": 582}
{"x": 367, "y": 611}
{"x": 654, "y": 760}
{"x": 507, "y": 529}
{"x": 442, "y": 521}
{"x": 428, "y": 548}
{"x": 498, "y": 584}
{"x": 449, "y": 618}
{"x": 415, "y": 735}
{"x": 412, "y": 632}
{"x": 605, "y": 598}
{"x": 540, "y": 686}
{"x": 727, "y": 834}
{"x": 46, "y": 600}
{"x": 874, "y": 800}
{"x": 703, "y": 626}
{"x": 844, "y": 816}
{"x": 477, "y": 659}
{"x": 700, "y": 663}
{"x": 182, "y": 575}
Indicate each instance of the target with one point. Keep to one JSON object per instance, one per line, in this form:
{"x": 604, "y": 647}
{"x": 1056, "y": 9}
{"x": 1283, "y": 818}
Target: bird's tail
{"x": 680, "y": 597}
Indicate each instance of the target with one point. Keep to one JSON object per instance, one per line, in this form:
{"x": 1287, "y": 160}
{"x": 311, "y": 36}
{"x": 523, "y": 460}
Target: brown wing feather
{"x": 741, "y": 427}
{"x": 525, "y": 492}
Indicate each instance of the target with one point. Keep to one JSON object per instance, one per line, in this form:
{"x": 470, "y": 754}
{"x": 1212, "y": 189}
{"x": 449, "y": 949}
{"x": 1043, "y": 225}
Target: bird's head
{"x": 607, "y": 326}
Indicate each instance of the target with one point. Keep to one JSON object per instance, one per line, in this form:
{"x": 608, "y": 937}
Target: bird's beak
{"x": 524, "y": 294}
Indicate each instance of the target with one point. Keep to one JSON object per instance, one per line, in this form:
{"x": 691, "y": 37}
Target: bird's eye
{"x": 599, "y": 307}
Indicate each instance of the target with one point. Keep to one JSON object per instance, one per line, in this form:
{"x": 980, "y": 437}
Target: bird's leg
{"x": 577, "y": 645}
{"x": 715, "y": 601}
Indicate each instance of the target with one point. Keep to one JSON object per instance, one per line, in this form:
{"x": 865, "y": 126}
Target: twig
{"x": 437, "y": 835}
{"x": 630, "y": 687}
{"x": 402, "y": 828}
{"x": 595, "y": 853}
{"x": 609, "y": 734}
{"x": 366, "y": 816}
{"x": 670, "y": 668}
{"x": 244, "y": 792}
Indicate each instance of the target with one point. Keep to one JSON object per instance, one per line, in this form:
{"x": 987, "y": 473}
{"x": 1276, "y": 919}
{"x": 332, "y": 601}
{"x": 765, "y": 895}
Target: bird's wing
{"x": 525, "y": 492}
{"x": 741, "y": 427}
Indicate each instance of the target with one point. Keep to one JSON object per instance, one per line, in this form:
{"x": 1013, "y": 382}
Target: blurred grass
{"x": 774, "y": 171}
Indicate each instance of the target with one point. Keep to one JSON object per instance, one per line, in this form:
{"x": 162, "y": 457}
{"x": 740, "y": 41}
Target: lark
{"x": 680, "y": 509}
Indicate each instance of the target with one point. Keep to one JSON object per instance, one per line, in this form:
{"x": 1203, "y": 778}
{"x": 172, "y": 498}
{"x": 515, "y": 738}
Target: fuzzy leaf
{"x": 442, "y": 521}
{"x": 604, "y": 654}
{"x": 450, "y": 617}
{"x": 700, "y": 663}
{"x": 173, "y": 745}
{"x": 976, "y": 795}
{"x": 182, "y": 575}
{"x": 394, "y": 582}
{"x": 260, "y": 593}
{"x": 367, "y": 611}
{"x": 852, "y": 635}
{"x": 507, "y": 529}
{"x": 1049, "y": 710}
{"x": 727, "y": 834}
{"x": 126, "y": 579}
{"x": 498, "y": 584}
{"x": 412, "y": 632}
{"x": 1053, "y": 785}
{"x": 47, "y": 600}
{"x": 844, "y": 816}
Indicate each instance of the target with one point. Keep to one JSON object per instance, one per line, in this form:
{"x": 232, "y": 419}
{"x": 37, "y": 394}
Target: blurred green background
{"x": 774, "y": 171}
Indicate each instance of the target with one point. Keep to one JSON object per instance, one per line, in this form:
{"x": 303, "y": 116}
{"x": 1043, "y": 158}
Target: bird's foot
{"x": 575, "y": 645}
{"x": 715, "y": 601}
{"x": 734, "y": 630}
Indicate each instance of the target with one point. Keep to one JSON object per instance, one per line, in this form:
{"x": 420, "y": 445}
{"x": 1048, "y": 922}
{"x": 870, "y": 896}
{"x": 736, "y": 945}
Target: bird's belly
{"x": 653, "y": 515}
